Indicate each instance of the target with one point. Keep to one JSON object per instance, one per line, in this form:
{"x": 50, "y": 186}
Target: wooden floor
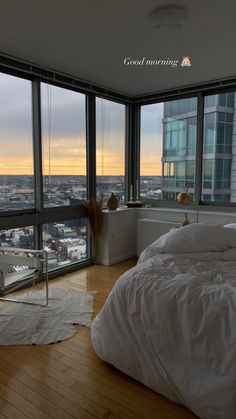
{"x": 67, "y": 380}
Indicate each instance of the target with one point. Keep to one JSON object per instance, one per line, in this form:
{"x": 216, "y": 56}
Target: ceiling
{"x": 90, "y": 39}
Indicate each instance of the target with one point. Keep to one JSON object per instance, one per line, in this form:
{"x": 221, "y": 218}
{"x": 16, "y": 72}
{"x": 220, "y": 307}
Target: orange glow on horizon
{"x": 73, "y": 162}
{"x": 150, "y": 165}
{"x": 71, "y": 167}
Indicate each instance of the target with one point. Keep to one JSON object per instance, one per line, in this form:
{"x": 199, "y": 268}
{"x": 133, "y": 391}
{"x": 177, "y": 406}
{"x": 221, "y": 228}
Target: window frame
{"x": 40, "y": 215}
{"x": 36, "y": 74}
{"x": 201, "y": 94}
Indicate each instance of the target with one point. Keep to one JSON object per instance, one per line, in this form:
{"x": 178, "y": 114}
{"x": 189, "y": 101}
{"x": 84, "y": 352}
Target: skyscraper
{"x": 219, "y": 151}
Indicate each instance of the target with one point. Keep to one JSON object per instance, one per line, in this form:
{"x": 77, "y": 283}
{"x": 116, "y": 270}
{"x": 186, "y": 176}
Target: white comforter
{"x": 170, "y": 322}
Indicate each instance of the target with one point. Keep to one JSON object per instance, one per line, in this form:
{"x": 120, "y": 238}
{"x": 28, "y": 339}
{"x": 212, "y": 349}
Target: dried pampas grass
{"x": 93, "y": 209}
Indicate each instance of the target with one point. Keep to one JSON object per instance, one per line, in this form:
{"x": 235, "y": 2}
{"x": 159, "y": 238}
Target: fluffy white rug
{"x": 23, "y": 324}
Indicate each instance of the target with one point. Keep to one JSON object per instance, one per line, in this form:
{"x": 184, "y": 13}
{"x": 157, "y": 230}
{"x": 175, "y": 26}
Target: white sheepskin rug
{"x": 23, "y": 324}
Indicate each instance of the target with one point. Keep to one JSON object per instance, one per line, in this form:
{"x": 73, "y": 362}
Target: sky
{"x": 63, "y": 132}
{"x": 151, "y": 140}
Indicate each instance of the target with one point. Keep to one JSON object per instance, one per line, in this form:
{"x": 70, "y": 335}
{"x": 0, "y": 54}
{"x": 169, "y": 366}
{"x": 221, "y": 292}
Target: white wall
{"x": 177, "y": 215}
{"x": 148, "y": 230}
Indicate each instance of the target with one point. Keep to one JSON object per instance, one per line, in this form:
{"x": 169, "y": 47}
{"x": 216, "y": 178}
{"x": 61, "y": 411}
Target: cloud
{"x": 63, "y": 121}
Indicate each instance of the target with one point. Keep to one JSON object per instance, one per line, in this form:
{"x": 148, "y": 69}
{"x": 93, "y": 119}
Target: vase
{"x": 112, "y": 202}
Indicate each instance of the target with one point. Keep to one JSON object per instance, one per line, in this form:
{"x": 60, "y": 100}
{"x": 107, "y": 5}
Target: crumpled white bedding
{"x": 170, "y": 323}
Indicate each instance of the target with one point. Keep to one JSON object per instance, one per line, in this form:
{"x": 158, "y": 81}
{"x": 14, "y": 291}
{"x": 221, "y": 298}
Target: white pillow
{"x": 192, "y": 238}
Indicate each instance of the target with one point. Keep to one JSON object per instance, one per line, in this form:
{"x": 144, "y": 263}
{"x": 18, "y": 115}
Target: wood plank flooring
{"x": 67, "y": 380}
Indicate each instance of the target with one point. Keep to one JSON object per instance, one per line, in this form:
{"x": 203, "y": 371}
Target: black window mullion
{"x": 199, "y": 148}
{"x": 137, "y": 124}
{"x": 91, "y": 145}
{"x": 132, "y": 150}
{"x": 38, "y": 173}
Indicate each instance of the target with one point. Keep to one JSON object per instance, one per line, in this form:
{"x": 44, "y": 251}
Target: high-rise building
{"x": 219, "y": 148}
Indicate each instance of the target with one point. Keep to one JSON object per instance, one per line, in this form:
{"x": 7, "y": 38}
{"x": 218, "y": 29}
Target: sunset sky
{"x": 63, "y": 127}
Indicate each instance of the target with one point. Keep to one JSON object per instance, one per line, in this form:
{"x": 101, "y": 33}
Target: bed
{"x": 170, "y": 322}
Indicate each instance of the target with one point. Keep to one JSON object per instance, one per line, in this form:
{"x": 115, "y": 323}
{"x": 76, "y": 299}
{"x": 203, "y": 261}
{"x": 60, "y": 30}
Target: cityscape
{"x": 176, "y": 123}
{"x": 17, "y": 191}
{"x": 66, "y": 242}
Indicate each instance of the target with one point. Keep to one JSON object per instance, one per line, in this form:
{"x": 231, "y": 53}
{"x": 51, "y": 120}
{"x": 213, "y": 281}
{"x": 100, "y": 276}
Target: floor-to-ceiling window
{"x": 64, "y": 146}
{"x": 43, "y": 176}
{"x": 110, "y": 149}
{"x": 218, "y": 184}
{"x": 64, "y": 172}
{"x": 16, "y": 156}
{"x": 168, "y": 150}
{"x": 44, "y": 132}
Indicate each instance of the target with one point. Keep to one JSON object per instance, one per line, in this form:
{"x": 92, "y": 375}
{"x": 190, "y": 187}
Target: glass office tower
{"x": 219, "y": 148}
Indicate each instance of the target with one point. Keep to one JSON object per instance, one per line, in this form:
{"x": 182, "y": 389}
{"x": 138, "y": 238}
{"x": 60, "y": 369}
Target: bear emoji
{"x": 186, "y": 62}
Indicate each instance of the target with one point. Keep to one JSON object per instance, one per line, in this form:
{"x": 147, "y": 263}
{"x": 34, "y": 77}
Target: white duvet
{"x": 170, "y": 322}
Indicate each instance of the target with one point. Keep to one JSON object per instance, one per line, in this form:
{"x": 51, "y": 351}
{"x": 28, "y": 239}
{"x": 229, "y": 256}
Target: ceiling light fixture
{"x": 169, "y": 17}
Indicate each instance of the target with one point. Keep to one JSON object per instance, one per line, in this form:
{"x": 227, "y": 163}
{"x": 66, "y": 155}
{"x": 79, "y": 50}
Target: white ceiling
{"x": 89, "y": 39}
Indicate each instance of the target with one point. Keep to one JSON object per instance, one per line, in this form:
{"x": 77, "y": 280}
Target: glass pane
{"x": 183, "y": 106}
{"x": 230, "y": 99}
{"x": 207, "y": 174}
{"x": 218, "y": 183}
{"x": 168, "y": 150}
{"x": 210, "y": 101}
{"x": 191, "y": 136}
{"x": 151, "y": 150}
{"x": 110, "y": 149}
{"x": 222, "y": 99}
{"x": 66, "y": 242}
{"x": 16, "y": 273}
{"x": 22, "y": 237}
{"x": 16, "y": 153}
{"x": 192, "y": 104}
{"x": 64, "y": 146}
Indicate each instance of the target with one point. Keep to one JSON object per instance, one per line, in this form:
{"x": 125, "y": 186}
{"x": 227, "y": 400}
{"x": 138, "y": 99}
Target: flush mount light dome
{"x": 169, "y": 17}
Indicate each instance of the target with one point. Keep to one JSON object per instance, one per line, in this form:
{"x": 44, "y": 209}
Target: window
{"x": 226, "y": 99}
{"x": 151, "y": 152}
{"x": 16, "y": 156}
{"x": 22, "y": 237}
{"x": 191, "y": 136}
{"x": 168, "y": 169}
{"x": 178, "y": 107}
{"x": 64, "y": 169}
{"x": 223, "y": 174}
{"x": 224, "y": 132}
{"x": 66, "y": 242}
{"x": 168, "y": 149}
{"x": 110, "y": 149}
{"x": 64, "y": 146}
{"x": 209, "y": 133}
{"x": 217, "y": 180}
{"x": 207, "y": 175}
{"x": 210, "y": 101}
